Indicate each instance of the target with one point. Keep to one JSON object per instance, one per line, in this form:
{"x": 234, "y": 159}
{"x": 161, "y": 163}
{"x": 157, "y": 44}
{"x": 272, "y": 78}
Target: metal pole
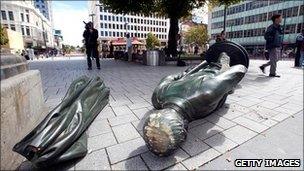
{"x": 283, "y": 37}
{"x": 225, "y": 15}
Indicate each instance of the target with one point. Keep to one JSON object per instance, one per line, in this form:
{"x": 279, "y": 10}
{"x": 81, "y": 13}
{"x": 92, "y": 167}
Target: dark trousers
{"x": 92, "y": 52}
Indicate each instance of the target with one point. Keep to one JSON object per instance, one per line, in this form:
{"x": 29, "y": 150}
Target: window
{"x": 295, "y": 11}
{"x": 101, "y": 25}
{"x": 110, "y": 26}
{"x": 38, "y": 6}
{"x": 100, "y": 9}
{"x": 27, "y": 18}
{"x": 302, "y": 10}
{"x": 22, "y": 30}
{"x": 109, "y": 18}
{"x": 106, "y": 33}
{"x": 28, "y": 31}
{"x": 13, "y": 27}
{"x": 101, "y": 33}
{"x": 101, "y": 17}
{"x": 11, "y": 15}
{"x": 22, "y": 17}
{"x": 106, "y": 25}
{"x": 3, "y": 14}
{"x": 105, "y": 17}
{"x": 113, "y": 18}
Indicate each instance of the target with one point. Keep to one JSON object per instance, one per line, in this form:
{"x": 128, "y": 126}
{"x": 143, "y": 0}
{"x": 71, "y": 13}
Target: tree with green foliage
{"x": 152, "y": 41}
{"x": 172, "y": 9}
{"x": 3, "y": 39}
{"x": 197, "y": 34}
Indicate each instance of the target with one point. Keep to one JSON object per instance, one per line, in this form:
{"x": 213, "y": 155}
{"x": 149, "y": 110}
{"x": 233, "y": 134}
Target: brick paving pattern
{"x": 115, "y": 137}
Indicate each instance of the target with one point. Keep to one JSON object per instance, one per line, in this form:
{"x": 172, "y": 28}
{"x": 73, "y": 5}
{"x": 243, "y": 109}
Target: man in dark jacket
{"x": 273, "y": 37}
{"x": 90, "y": 36}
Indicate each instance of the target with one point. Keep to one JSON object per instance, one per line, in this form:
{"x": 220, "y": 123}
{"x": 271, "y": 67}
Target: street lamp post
{"x": 225, "y": 15}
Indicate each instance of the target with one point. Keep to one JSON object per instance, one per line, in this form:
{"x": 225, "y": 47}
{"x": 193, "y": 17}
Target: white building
{"x": 23, "y": 17}
{"x": 112, "y": 26}
{"x": 45, "y": 7}
{"x": 246, "y": 21}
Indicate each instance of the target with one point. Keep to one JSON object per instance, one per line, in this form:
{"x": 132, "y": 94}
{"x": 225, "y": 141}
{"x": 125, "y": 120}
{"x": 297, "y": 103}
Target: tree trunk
{"x": 173, "y": 31}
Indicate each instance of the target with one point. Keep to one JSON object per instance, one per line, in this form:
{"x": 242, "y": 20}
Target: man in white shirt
{"x": 129, "y": 47}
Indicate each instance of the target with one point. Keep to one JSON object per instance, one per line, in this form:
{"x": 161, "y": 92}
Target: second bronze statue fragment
{"x": 193, "y": 94}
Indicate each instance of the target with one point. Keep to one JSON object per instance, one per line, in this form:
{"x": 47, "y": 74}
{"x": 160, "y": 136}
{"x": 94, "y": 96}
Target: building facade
{"x": 45, "y": 7}
{"x": 112, "y": 26}
{"x": 23, "y": 17}
{"x": 247, "y": 21}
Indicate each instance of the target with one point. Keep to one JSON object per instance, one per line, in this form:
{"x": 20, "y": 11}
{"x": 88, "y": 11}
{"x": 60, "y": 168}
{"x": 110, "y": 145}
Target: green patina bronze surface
{"x": 187, "y": 96}
{"x": 61, "y": 135}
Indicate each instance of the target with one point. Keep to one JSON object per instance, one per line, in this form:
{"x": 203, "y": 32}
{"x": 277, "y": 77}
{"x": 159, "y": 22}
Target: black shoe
{"x": 273, "y": 75}
{"x": 98, "y": 68}
{"x": 89, "y": 68}
{"x": 262, "y": 69}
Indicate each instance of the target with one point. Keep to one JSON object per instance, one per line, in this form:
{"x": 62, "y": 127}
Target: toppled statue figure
{"x": 61, "y": 137}
{"x": 193, "y": 94}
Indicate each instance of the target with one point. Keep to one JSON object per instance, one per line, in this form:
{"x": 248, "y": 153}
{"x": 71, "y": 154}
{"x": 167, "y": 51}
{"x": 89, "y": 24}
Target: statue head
{"x": 164, "y": 130}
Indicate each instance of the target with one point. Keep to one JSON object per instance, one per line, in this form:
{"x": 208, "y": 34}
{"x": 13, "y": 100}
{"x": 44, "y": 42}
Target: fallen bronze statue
{"x": 193, "y": 94}
{"x": 61, "y": 137}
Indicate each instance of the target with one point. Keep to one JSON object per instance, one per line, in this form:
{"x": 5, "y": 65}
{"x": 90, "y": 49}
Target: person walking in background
{"x": 129, "y": 47}
{"x": 195, "y": 50}
{"x": 273, "y": 37}
{"x": 299, "y": 59}
{"x": 90, "y": 36}
{"x": 111, "y": 50}
{"x": 221, "y": 37}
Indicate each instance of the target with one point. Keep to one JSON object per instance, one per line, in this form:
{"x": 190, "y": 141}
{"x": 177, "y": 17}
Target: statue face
{"x": 163, "y": 131}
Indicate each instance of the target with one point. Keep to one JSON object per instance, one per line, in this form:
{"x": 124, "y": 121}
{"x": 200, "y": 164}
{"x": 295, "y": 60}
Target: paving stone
{"x": 193, "y": 145}
{"x": 280, "y": 117}
{"x": 269, "y": 105}
{"x": 122, "y": 119}
{"x": 97, "y": 160}
{"x": 269, "y": 122}
{"x": 121, "y": 110}
{"x": 205, "y": 130}
{"x": 126, "y": 150}
{"x": 101, "y": 141}
{"x": 105, "y": 113}
{"x": 239, "y": 134}
{"x": 220, "y": 143}
{"x": 230, "y": 114}
{"x": 158, "y": 163}
{"x": 139, "y": 105}
{"x": 178, "y": 166}
{"x": 196, "y": 123}
{"x": 200, "y": 159}
{"x": 220, "y": 121}
{"x": 250, "y": 124}
{"x": 99, "y": 127}
{"x": 262, "y": 111}
{"x": 140, "y": 113}
{"x": 125, "y": 132}
{"x": 135, "y": 163}
{"x": 139, "y": 125}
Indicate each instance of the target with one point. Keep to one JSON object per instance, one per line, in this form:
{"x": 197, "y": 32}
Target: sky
{"x": 68, "y": 17}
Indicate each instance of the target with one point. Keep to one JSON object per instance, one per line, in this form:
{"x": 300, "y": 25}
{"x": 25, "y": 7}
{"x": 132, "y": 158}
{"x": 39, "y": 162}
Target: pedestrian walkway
{"x": 115, "y": 137}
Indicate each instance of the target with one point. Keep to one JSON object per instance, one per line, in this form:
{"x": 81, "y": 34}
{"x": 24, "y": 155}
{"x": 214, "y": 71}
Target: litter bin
{"x": 152, "y": 58}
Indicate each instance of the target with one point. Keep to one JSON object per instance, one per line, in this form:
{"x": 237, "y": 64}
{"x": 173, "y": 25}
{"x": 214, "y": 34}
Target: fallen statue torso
{"x": 182, "y": 98}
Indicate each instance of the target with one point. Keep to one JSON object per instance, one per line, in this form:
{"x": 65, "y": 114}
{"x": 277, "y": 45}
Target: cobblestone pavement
{"x": 115, "y": 140}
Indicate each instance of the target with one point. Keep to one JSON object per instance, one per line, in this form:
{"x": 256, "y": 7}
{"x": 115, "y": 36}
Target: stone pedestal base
{"x": 22, "y": 106}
